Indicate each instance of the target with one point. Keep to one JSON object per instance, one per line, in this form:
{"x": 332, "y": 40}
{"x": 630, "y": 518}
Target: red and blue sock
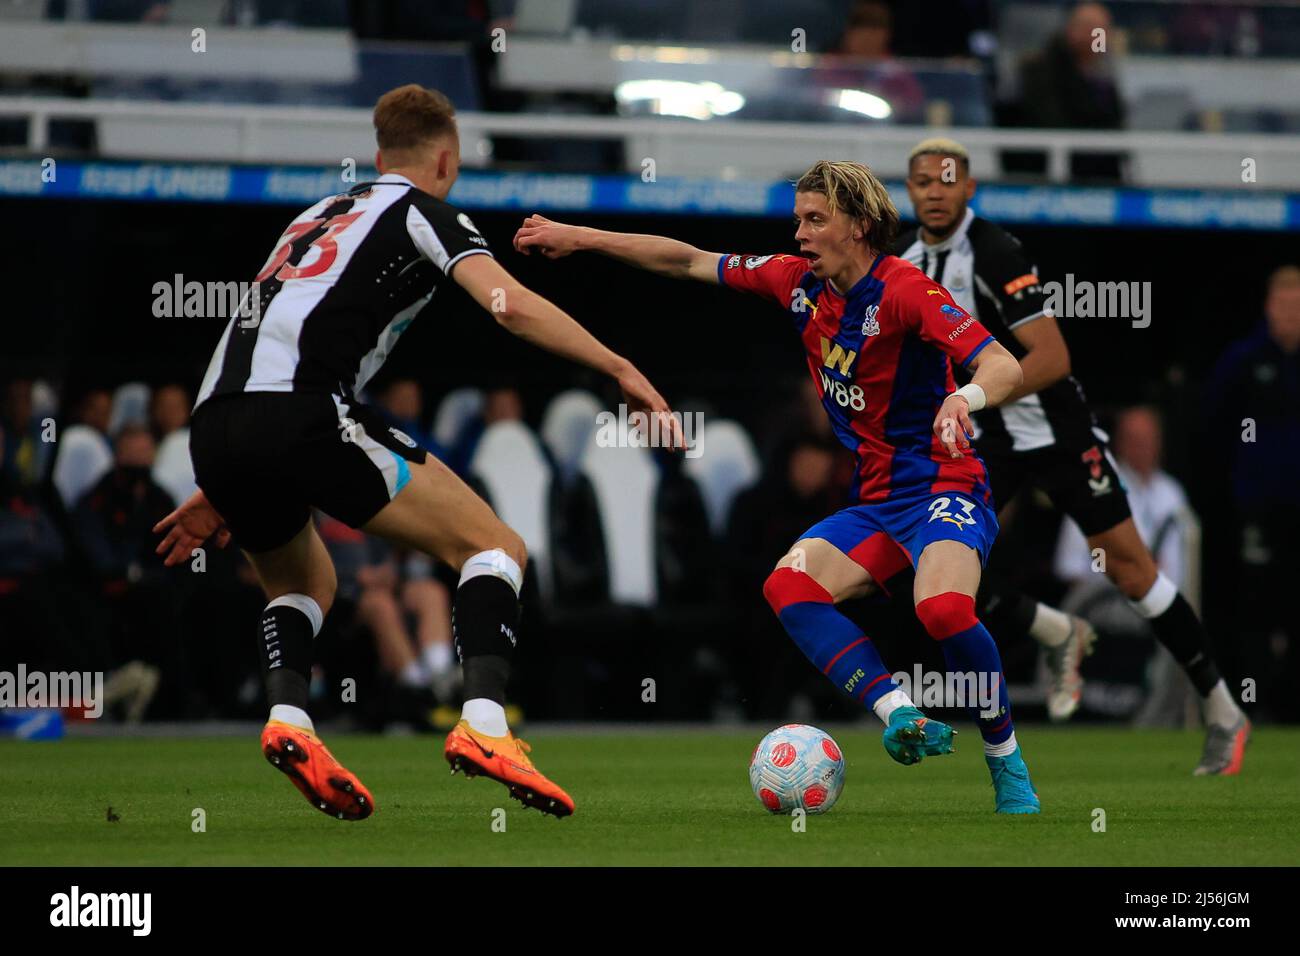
{"x": 968, "y": 648}
{"x": 835, "y": 645}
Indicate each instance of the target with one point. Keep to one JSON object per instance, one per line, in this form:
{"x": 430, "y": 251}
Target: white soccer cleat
{"x": 1063, "y": 662}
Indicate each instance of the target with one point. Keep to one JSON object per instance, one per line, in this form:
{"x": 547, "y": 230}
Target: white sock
{"x": 437, "y": 657}
{"x": 890, "y": 703}
{"x": 1004, "y": 749}
{"x": 413, "y": 675}
{"x": 1219, "y": 707}
{"x": 1157, "y": 600}
{"x": 485, "y": 716}
{"x": 1051, "y": 627}
{"x": 296, "y": 716}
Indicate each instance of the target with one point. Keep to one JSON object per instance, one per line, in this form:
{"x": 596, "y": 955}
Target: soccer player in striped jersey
{"x": 1045, "y": 436}
{"x": 278, "y": 430}
{"x": 880, "y": 340}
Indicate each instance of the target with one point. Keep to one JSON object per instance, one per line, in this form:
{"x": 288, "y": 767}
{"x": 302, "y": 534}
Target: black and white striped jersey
{"x": 988, "y": 274}
{"x": 346, "y": 279}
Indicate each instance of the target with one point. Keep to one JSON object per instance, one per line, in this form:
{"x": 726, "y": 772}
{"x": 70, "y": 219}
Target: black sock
{"x": 1181, "y": 631}
{"x": 1004, "y": 610}
{"x": 484, "y": 617}
{"x": 286, "y": 636}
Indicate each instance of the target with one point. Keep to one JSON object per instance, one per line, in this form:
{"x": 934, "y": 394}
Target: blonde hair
{"x": 940, "y": 146}
{"x": 854, "y": 189}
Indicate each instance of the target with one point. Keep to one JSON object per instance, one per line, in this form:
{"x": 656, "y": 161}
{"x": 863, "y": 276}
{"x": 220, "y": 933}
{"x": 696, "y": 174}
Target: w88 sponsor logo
{"x": 846, "y": 396}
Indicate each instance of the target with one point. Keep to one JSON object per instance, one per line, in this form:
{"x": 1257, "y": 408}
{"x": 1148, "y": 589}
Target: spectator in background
{"x": 409, "y": 614}
{"x": 84, "y": 453}
{"x": 28, "y": 540}
{"x": 795, "y": 492}
{"x": 95, "y": 410}
{"x": 867, "y": 36}
{"x": 796, "y": 420}
{"x": 869, "y": 31}
{"x": 403, "y": 405}
{"x": 169, "y": 410}
{"x": 1070, "y": 84}
{"x": 1160, "y": 512}
{"x": 1253, "y": 411}
{"x": 26, "y": 456}
{"x": 405, "y": 609}
{"x": 169, "y": 416}
{"x": 502, "y": 404}
{"x": 30, "y": 552}
{"x": 113, "y": 524}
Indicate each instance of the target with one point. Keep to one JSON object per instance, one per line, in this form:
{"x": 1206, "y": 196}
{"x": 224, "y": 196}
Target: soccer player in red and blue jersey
{"x": 879, "y": 338}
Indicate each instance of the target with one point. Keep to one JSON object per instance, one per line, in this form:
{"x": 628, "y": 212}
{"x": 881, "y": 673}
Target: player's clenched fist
{"x": 953, "y": 425}
{"x": 553, "y": 239}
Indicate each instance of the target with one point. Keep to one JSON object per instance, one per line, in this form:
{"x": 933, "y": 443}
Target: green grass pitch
{"x": 651, "y": 798}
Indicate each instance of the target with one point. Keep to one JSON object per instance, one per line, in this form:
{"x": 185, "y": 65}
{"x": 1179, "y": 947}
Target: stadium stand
{"x": 665, "y": 116}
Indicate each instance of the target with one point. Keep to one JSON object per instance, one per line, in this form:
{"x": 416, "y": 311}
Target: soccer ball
{"x": 797, "y": 766}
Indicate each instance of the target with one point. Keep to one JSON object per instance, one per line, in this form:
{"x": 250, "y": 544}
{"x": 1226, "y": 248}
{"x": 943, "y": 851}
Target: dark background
{"x": 80, "y": 293}
{"x": 80, "y": 297}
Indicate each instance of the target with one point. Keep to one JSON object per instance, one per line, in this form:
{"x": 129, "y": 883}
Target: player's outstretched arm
{"x": 997, "y": 376}
{"x": 531, "y": 317}
{"x": 659, "y": 254}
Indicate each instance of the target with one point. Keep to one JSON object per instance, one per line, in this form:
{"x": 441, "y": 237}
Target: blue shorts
{"x": 886, "y": 537}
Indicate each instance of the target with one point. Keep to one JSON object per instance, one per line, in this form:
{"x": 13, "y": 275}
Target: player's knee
{"x": 501, "y": 537}
{"x": 947, "y": 614}
{"x": 498, "y": 561}
{"x": 324, "y": 596}
{"x": 787, "y": 585}
{"x": 509, "y": 543}
{"x": 518, "y": 551}
{"x": 324, "y": 584}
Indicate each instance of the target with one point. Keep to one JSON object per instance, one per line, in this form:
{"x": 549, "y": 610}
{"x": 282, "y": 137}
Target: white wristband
{"x": 974, "y": 396}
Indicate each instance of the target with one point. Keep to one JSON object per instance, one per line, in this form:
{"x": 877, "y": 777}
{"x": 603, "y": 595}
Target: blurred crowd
{"x": 84, "y": 481}
{"x": 86, "y": 475}
{"x": 1033, "y": 63}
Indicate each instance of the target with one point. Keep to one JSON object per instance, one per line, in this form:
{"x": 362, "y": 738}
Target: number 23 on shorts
{"x": 939, "y": 510}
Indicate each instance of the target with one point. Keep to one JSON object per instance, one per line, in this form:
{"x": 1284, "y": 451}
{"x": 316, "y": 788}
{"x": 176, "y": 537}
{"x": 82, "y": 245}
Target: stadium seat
{"x": 625, "y": 481}
{"x": 84, "y": 457}
{"x": 172, "y": 469}
{"x": 512, "y": 467}
{"x": 457, "y": 409}
{"x": 130, "y": 406}
{"x": 726, "y": 466}
{"x": 567, "y": 425}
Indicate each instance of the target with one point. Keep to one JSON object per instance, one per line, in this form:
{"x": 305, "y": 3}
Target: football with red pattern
{"x": 797, "y": 767}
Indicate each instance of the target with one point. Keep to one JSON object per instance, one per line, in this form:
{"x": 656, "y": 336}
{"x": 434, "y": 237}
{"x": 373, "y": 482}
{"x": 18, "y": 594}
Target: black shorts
{"x": 1080, "y": 479}
{"x": 265, "y": 459}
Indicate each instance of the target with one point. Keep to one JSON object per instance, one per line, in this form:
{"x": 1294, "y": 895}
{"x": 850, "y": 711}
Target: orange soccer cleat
{"x": 327, "y": 784}
{"x": 505, "y": 759}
